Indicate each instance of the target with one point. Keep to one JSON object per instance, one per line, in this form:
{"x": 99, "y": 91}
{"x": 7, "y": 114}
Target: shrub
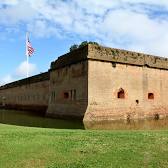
{"x": 84, "y": 43}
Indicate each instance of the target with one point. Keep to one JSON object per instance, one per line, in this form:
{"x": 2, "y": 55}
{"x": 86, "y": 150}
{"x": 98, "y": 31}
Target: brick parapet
{"x": 126, "y": 57}
{"x": 70, "y": 58}
{"x": 98, "y": 52}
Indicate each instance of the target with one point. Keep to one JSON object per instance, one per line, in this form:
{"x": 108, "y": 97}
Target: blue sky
{"x": 55, "y": 25}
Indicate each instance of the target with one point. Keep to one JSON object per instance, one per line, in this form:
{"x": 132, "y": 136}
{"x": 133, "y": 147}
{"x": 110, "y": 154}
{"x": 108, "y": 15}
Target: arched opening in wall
{"x": 150, "y": 96}
{"x": 121, "y": 94}
{"x": 137, "y": 101}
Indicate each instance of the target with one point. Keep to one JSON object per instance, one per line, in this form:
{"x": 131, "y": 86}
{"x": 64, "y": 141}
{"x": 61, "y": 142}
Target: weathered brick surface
{"x": 69, "y": 79}
{"x": 104, "y": 82}
{"x": 85, "y": 84}
{"x": 126, "y": 57}
{"x": 27, "y": 94}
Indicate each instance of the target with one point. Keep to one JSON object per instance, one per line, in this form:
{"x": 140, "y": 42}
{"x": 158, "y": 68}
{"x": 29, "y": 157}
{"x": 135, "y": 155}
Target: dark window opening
{"x": 66, "y": 95}
{"x": 113, "y": 64}
{"x": 121, "y": 94}
{"x": 156, "y": 116}
{"x": 150, "y": 96}
{"x": 137, "y": 101}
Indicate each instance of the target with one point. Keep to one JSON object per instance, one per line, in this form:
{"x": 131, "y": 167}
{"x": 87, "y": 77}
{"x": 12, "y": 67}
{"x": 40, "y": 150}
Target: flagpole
{"x": 27, "y": 54}
{"x": 27, "y": 66}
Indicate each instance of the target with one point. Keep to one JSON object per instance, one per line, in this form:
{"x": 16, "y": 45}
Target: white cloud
{"x": 134, "y": 29}
{"x": 149, "y": 2}
{"x": 10, "y": 2}
{"x": 7, "y": 79}
{"x": 136, "y": 25}
{"x": 17, "y": 12}
{"x": 41, "y": 28}
{"x": 21, "y": 70}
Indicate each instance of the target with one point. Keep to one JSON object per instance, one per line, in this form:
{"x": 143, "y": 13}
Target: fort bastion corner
{"x": 95, "y": 83}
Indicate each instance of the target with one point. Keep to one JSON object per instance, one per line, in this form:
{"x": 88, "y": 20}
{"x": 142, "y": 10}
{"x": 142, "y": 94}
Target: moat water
{"x": 23, "y": 118}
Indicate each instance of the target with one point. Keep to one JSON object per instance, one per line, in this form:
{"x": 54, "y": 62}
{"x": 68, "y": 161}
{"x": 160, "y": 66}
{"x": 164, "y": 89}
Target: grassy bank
{"x": 23, "y": 147}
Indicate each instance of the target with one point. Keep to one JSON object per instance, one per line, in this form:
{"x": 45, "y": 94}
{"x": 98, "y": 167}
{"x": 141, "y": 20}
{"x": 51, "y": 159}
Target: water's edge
{"x": 25, "y": 118}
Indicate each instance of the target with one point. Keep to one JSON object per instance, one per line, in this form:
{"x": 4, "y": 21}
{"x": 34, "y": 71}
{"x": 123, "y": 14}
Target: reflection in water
{"x": 33, "y": 120}
{"x": 29, "y": 119}
{"x": 149, "y": 124}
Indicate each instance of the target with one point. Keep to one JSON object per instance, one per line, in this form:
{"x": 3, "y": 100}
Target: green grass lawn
{"x": 23, "y": 147}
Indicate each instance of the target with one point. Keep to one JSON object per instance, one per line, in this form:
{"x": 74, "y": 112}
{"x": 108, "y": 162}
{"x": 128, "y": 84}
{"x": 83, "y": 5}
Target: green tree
{"x": 93, "y": 42}
{"x": 84, "y": 43}
{"x": 73, "y": 47}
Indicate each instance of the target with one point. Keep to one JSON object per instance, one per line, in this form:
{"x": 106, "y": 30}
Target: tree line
{"x": 84, "y": 43}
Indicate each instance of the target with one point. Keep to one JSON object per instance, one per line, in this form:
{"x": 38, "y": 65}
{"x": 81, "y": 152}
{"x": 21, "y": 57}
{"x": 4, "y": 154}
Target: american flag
{"x": 29, "y": 48}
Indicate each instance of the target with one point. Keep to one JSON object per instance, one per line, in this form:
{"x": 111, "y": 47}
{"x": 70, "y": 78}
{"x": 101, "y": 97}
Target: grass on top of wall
{"x": 27, "y": 147}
